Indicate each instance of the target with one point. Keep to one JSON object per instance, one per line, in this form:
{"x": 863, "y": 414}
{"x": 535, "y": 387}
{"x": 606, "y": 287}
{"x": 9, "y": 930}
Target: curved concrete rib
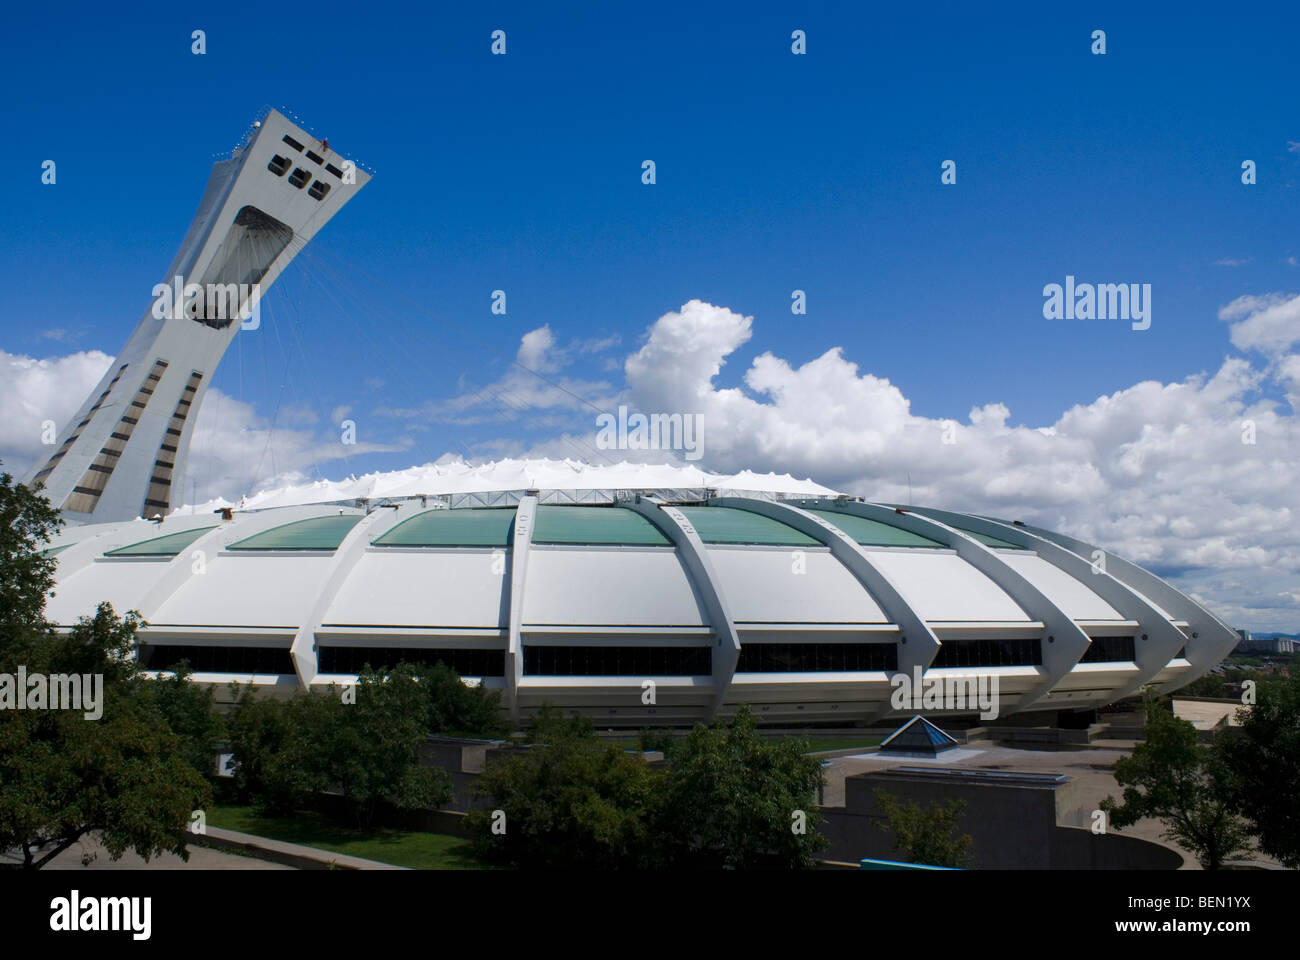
{"x": 1158, "y": 640}
{"x": 695, "y": 557}
{"x": 1209, "y": 639}
{"x": 346, "y": 557}
{"x": 519, "y": 550}
{"x": 1062, "y": 642}
{"x": 917, "y": 643}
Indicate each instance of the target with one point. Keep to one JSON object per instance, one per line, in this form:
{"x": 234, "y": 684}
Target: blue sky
{"x": 775, "y": 172}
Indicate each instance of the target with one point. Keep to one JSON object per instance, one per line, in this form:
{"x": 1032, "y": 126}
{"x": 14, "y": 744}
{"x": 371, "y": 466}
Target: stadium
{"x": 637, "y": 594}
{"x": 803, "y": 607}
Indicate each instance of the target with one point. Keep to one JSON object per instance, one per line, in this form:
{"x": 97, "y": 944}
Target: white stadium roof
{"x": 558, "y": 581}
{"x": 458, "y": 477}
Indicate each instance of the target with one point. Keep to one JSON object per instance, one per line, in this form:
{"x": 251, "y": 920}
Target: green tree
{"x": 1261, "y": 760}
{"x": 27, "y": 522}
{"x": 64, "y": 777}
{"x": 925, "y": 835}
{"x": 458, "y": 710}
{"x": 656, "y": 738}
{"x": 370, "y": 749}
{"x": 738, "y": 800}
{"x": 272, "y": 745}
{"x": 191, "y": 713}
{"x": 366, "y": 745}
{"x": 120, "y": 777}
{"x": 568, "y": 801}
{"x": 1170, "y": 777}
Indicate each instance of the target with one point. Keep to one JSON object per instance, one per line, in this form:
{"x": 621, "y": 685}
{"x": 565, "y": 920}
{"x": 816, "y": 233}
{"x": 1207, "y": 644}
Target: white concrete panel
{"x": 1072, "y": 596}
{"x": 248, "y": 590}
{"x": 423, "y": 589}
{"x": 619, "y": 586}
{"x": 123, "y": 583}
{"x": 760, "y": 585}
{"x": 943, "y": 586}
{"x": 1096, "y": 676}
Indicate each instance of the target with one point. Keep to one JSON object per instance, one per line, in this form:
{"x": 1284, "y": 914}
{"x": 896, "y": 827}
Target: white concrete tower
{"x": 119, "y": 456}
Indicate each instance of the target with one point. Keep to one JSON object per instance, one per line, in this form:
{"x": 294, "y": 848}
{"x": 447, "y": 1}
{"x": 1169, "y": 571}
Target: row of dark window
{"x": 85, "y": 495}
{"x": 67, "y": 444}
{"x": 299, "y": 178}
{"x": 214, "y": 659}
{"x": 313, "y": 156}
{"x": 1020, "y": 652}
{"x": 817, "y": 657}
{"x": 618, "y": 661}
{"x": 1109, "y": 649}
{"x": 158, "y": 496}
{"x": 627, "y": 661}
{"x": 466, "y": 662}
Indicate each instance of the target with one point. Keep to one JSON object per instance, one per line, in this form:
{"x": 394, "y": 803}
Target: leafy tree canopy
{"x": 568, "y": 801}
{"x": 1261, "y": 760}
{"x": 65, "y": 775}
{"x": 1171, "y": 777}
{"x": 727, "y": 798}
{"x": 121, "y": 777}
{"x": 926, "y": 835}
{"x": 363, "y": 742}
{"x": 740, "y": 800}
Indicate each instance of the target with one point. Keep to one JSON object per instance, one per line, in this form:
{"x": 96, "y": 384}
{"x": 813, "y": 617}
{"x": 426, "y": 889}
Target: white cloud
{"x": 234, "y": 451}
{"x": 1268, "y": 323}
{"x": 1158, "y": 472}
{"x": 38, "y": 390}
{"x": 532, "y": 389}
{"x": 597, "y": 344}
{"x": 537, "y": 350}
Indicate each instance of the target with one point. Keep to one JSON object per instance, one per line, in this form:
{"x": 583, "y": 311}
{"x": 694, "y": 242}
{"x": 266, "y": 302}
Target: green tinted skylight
{"x": 164, "y": 546}
{"x": 316, "y": 533}
{"x": 988, "y": 541}
{"x": 55, "y": 551}
{"x": 469, "y": 527}
{"x": 595, "y": 525}
{"x": 873, "y": 533}
{"x": 729, "y": 525}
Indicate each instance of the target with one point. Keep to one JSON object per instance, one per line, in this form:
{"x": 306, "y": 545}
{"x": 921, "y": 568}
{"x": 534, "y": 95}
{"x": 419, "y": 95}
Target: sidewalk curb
{"x": 289, "y": 854}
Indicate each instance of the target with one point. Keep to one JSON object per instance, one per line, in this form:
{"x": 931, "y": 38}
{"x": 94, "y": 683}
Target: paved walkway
{"x": 220, "y": 850}
{"x": 1204, "y": 715}
{"x": 201, "y": 858}
{"x": 293, "y": 854}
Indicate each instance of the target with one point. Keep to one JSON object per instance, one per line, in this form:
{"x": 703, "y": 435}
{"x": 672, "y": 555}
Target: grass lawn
{"x": 403, "y": 848}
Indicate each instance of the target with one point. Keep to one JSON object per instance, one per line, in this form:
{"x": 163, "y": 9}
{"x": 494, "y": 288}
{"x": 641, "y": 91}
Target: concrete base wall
{"x": 1056, "y": 848}
{"x": 1015, "y": 825}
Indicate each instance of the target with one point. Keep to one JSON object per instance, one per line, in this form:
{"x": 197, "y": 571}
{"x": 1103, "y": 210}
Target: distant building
{"x": 1249, "y": 643}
